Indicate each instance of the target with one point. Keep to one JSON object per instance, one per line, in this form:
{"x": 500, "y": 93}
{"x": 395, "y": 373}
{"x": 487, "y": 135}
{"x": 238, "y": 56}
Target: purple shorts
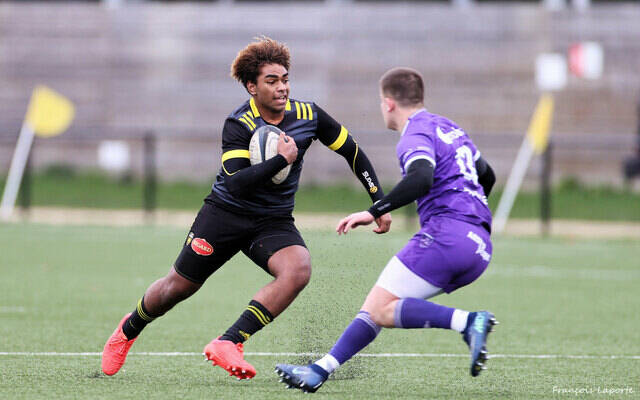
{"x": 448, "y": 253}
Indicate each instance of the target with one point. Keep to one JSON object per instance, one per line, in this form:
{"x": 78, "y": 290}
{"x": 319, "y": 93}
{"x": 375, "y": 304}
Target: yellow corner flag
{"x": 540, "y": 126}
{"x": 49, "y": 113}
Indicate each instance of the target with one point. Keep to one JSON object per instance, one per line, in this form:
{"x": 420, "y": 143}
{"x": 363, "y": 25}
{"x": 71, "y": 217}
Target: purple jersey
{"x": 456, "y": 192}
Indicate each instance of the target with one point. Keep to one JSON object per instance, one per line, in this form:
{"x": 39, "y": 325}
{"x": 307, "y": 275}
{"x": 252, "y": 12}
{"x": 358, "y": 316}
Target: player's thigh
{"x": 380, "y": 304}
{"x": 215, "y": 236}
{"x": 292, "y": 263}
{"x": 400, "y": 281}
{"x": 277, "y": 244}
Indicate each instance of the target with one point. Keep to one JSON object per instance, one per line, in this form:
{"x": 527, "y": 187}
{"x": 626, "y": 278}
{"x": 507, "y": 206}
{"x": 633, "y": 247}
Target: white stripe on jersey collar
{"x": 406, "y": 124}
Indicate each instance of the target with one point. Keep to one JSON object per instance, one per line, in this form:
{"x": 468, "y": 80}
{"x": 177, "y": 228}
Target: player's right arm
{"x": 416, "y": 183}
{"x": 240, "y": 177}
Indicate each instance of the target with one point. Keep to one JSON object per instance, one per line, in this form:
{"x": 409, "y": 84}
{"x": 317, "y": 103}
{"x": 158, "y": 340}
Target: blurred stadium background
{"x": 134, "y": 68}
{"x": 151, "y": 88}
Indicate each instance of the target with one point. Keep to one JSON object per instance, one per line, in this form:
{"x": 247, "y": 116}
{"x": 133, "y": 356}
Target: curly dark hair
{"x": 246, "y": 67}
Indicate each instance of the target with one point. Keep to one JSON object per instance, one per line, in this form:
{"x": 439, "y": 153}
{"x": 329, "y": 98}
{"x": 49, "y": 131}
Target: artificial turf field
{"x": 568, "y": 311}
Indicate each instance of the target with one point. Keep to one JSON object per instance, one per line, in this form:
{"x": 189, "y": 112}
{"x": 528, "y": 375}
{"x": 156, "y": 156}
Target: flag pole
{"x": 535, "y": 141}
{"x": 512, "y": 187}
{"x": 20, "y": 156}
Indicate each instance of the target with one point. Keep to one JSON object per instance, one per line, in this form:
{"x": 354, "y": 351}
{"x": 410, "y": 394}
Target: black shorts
{"x": 217, "y": 235}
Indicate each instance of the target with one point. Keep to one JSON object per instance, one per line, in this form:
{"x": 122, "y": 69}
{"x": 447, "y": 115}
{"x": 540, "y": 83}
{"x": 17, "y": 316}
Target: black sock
{"x": 254, "y": 318}
{"x": 137, "y": 321}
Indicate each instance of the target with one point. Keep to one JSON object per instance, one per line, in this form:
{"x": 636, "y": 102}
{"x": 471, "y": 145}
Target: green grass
{"x": 63, "y": 187}
{"x": 63, "y": 289}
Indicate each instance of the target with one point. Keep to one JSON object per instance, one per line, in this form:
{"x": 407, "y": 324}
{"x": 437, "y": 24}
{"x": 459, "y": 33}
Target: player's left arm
{"x": 337, "y": 138}
{"x": 416, "y": 183}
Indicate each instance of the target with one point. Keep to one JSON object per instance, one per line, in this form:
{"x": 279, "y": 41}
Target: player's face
{"x": 272, "y": 87}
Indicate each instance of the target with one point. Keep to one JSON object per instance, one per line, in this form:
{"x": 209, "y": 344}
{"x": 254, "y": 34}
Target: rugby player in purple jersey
{"x": 443, "y": 171}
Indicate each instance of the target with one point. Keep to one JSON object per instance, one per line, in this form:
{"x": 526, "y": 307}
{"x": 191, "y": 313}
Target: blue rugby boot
{"x": 475, "y": 335}
{"x": 307, "y": 378}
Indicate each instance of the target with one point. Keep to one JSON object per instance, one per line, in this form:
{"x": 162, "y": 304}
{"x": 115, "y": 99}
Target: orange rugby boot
{"x": 115, "y": 350}
{"x": 230, "y": 357}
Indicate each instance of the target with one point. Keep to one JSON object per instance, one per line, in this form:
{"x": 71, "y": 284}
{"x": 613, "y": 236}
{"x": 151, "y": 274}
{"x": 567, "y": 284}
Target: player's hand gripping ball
{"x": 263, "y": 146}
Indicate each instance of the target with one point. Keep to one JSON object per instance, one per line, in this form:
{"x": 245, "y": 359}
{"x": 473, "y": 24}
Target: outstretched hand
{"x": 354, "y": 220}
{"x": 384, "y": 223}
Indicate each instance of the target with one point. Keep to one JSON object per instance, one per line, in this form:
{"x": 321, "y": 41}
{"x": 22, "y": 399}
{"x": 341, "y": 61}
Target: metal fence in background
{"x": 197, "y": 159}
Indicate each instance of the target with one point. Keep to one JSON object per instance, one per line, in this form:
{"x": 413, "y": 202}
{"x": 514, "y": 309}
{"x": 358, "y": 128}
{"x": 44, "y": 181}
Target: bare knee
{"x": 292, "y": 265}
{"x": 383, "y": 315}
{"x": 303, "y": 275}
{"x": 178, "y": 287}
{"x": 172, "y": 291}
{"x": 297, "y": 276}
{"x": 381, "y": 304}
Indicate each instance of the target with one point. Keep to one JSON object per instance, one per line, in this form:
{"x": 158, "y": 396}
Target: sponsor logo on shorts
{"x": 482, "y": 246}
{"x": 426, "y": 240}
{"x": 201, "y": 246}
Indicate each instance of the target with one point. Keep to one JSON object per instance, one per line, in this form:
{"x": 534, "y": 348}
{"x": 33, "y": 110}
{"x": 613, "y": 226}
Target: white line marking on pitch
{"x": 12, "y": 309}
{"x": 391, "y": 355}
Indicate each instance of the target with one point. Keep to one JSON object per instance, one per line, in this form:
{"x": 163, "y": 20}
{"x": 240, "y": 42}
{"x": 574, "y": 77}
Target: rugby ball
{"x": 263, "y": 146}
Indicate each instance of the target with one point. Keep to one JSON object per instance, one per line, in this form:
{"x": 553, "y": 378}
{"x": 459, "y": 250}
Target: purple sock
{"x": 418, "y": 313}
{"x": 360, "y": 332}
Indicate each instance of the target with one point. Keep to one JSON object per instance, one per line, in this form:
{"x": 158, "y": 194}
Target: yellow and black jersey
{"x": 250, "y": 192}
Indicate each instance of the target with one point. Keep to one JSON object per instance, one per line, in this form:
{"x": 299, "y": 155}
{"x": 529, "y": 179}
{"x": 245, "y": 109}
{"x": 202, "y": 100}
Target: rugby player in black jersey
{"x": 246, "y": 211}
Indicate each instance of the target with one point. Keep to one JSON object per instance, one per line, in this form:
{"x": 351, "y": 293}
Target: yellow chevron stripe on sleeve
{"x": 304, "y": 110}
{"x": 250, "y": 121}
{"x": 310, "y": 112}
{"x": 235, "y": 154}
{"x": 246, "y": 123}
{"x": 258, "y": 315}
{"x": 342, "y": 137}
{"x": 288, "y": 106}
{"x": 297, "y": 110}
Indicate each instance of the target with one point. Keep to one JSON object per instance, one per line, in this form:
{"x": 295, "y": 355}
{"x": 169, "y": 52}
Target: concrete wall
{"x": 166, "y": 68}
